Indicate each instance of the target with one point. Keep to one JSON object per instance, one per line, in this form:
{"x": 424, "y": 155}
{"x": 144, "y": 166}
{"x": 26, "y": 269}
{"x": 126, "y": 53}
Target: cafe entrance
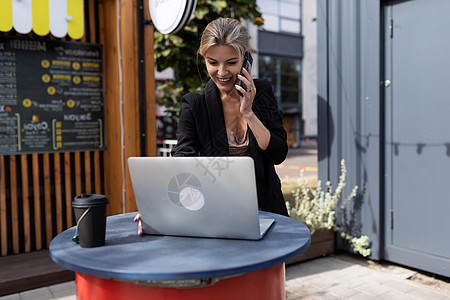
{"x": 75, "y": 102}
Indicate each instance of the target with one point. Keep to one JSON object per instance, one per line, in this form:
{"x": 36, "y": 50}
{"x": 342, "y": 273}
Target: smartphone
{"x": 248, "y": 61}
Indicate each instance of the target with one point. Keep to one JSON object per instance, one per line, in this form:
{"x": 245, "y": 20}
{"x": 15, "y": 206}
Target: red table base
{"x": 263, "y": 284}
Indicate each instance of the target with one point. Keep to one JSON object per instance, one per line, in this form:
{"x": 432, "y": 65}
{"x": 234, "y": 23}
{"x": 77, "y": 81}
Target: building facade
{"x": 289, "y": 30}
{"x": 383, "y": 102}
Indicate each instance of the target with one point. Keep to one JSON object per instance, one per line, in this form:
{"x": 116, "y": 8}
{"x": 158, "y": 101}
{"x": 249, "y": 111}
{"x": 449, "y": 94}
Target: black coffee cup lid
{"x": 89, "y": 200}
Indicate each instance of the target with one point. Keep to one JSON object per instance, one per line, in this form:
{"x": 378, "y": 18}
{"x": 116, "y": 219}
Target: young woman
{"x": 219, "y": 121}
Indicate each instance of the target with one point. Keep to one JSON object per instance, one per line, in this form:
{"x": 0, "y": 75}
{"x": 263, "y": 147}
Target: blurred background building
{"x": 286, "y": 55}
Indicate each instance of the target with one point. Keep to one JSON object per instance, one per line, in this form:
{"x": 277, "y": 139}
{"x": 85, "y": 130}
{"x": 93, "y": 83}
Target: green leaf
{"x": 218, "y": 5}
{"x": 200, "y": 13}
{"x": 176, "y": 40}
{"x": 166, "y": 52}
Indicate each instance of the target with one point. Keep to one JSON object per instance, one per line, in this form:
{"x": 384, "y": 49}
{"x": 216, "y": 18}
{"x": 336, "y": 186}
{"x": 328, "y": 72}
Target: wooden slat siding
{"x": 47, "y": 198}
{"x": 14, "y": 208}
{"x": 97, "y": 173}
{"x": 3, "y": 223}
{"x": 26, "y": 203}
{"x": 150, "y": 105}
{"x": 87, "y": 172}
{"x": 78, "y": 188}
{"x": 68, "y": 189}
{"x": 58, "y": 193}
{"x": 37, "y": 202}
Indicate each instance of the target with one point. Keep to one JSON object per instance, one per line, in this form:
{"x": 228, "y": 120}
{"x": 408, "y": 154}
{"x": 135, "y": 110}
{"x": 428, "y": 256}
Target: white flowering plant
{"x": 317, "y": 208}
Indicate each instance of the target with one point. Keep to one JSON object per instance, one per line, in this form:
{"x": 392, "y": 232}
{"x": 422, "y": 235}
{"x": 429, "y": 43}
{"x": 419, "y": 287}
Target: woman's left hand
{"x": 247, "y": 96}
{"x": 137, "y": 218}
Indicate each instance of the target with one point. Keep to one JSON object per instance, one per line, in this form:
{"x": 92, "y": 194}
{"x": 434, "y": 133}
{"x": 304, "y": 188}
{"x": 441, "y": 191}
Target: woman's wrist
{"x": 261, "y": 133}
{"x": 248, "y": 116}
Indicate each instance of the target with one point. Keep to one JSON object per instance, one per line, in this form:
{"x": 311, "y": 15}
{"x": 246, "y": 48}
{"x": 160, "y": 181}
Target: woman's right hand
{"x": 137, "y": 218}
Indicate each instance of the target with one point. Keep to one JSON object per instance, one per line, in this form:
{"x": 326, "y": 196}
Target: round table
{"x": 172, "y": 267}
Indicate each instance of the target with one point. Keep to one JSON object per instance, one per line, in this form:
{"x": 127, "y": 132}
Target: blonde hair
{"x": 225, "y": 31}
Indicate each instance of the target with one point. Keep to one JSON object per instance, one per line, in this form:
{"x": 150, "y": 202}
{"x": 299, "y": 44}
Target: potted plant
{"x": 317, "y": 209}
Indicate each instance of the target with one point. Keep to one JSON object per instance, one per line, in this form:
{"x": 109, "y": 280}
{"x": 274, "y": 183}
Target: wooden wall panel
{"x": 91, "y": 21}
{"x": 112, "y": 154}
{"x": 36, "y": 201}
{"x": 68, "y": 188}
{"x": 26, "y": 203}
{"x": 149, "y": 65}
{"x": 3, "y": 212}
{"x": 121, "y": 100}
{"x": 97, "y": 173}
{"x": 87, "y": 172}
{"x": 58, "y": 192}
{"x": 130, "y": 104}
{"x": 47, "y": 199}
{"x": 78, "y": 189}
{"x": 36, "y": 193}
{"x": 14, "y": 208}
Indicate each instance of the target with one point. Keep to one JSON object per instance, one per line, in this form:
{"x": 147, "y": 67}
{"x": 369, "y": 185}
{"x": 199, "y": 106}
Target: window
{"x": 281, "y": 15}
{"x": 285, "y": 76}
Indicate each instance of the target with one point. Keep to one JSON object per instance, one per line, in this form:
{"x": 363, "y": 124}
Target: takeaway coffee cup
{"x": 90, "y": 214}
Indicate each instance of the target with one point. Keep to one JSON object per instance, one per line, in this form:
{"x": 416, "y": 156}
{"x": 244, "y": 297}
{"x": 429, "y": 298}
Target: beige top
{"x": 238, "y": 148}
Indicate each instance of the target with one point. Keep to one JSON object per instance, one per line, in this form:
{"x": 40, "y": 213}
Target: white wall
{"x": 309, "y": 66}
{"x": 253, "y": 33}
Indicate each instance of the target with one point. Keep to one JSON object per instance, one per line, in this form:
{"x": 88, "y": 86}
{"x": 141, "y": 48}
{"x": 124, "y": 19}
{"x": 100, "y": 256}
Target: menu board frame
{"x": 51, "y": 96}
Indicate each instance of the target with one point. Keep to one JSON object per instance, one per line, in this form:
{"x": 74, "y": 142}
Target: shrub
{"x": 317, "y": 208}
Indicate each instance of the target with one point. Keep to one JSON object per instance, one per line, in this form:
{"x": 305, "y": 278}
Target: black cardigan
{"x": 201, "y": 132}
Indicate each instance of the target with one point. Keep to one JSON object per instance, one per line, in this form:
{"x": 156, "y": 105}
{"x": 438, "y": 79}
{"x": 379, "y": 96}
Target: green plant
{"x": 179, "y": 51}
{"x": 317, "y": 208}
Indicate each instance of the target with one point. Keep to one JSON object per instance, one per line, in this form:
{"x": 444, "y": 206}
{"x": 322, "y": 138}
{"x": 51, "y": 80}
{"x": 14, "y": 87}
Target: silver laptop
{"x": 197, "y": 196}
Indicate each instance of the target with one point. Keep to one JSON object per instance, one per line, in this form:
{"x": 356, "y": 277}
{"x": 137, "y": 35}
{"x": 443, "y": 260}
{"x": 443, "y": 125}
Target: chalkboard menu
{"x": 51, "y": 96}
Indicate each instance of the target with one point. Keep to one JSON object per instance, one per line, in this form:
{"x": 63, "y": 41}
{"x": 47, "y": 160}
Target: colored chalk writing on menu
{"x": 51, "y": 96}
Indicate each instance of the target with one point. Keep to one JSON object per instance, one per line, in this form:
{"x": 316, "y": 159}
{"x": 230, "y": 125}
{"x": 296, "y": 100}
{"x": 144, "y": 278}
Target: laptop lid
{"x": 197, "y": 196}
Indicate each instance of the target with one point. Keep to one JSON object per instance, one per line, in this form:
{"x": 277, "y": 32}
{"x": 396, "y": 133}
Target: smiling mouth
{"x": 224, "y": 80}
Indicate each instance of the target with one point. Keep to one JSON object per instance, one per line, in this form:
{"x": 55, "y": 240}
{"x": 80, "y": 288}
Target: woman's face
{"x": 223, "y": 64}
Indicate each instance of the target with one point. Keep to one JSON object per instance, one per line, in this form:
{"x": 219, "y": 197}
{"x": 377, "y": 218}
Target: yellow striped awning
{"x": 58, "y": 17}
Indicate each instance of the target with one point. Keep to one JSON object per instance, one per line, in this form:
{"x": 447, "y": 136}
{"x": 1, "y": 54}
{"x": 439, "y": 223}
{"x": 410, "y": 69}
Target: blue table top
{"x": 128, "y": 256}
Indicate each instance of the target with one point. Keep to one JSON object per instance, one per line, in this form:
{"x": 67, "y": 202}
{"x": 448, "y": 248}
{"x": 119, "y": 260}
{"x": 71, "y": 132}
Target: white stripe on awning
{"x": 21, "y": 16}
{"x": 60, "y": 17}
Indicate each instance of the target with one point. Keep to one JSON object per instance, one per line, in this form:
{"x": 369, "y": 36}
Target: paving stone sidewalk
{"x": 63, "y": 291}
{"x": 340, "y": 276}
{"x": 345, "y": 276}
